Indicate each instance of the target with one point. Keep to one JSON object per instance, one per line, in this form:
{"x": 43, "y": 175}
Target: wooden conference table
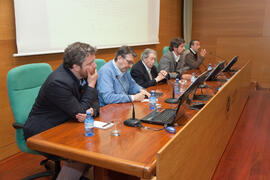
{"x": 133, "y": 152}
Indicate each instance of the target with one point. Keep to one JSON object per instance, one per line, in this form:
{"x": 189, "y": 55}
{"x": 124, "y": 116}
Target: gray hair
{"x": 146, "y": 53}
{"x": 76, "y": 53}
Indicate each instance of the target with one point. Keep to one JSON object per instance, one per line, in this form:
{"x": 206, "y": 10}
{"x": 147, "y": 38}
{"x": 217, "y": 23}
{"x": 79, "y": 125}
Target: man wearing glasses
{"x": 115, "y": 83}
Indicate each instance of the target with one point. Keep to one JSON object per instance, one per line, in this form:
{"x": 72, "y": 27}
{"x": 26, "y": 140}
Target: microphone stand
{"x": 133, "y": 121}
{"x": 172, "y": 100}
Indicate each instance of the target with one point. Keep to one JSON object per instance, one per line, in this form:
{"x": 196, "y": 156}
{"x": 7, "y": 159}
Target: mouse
{"x": 170, "y": 129}
{"x": 133, "y": 123}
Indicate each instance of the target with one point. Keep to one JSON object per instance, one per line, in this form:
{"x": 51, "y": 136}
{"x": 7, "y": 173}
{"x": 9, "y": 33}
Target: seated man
{"x": 191, "y": 58}
{"x": 114, "y": 82}
{"x": 62, "y": 97}
{"x": 144, "y": 72}
{"x": 173, "y": 62}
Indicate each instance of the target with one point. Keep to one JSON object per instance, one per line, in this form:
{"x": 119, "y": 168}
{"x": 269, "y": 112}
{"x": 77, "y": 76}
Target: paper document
{"x": 103, "y": 125}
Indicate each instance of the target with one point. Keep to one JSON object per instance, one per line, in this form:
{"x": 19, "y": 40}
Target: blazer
{"x": 168, "y": 63}
{"x": 60, "y": 98}
{"x": 141, "y": 76}
{"x": 192, "y": 61}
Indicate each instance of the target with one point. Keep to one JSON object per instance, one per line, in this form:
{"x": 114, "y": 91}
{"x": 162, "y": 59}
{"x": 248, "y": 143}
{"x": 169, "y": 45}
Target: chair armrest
{"x": 17, "y": 125}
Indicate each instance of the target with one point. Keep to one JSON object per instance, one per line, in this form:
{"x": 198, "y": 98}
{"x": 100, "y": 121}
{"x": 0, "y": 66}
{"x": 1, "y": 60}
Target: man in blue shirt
{"x": 114, "y": 82}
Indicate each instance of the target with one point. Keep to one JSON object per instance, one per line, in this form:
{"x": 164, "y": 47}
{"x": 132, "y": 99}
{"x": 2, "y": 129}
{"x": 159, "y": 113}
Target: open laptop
{"x": 167, "y": 116}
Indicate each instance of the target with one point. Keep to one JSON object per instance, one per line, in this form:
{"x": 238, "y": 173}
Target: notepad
{"x": 103, "y": 125}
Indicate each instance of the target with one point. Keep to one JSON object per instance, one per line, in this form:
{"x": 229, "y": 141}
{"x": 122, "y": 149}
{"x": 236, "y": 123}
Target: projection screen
{"x": 48, "y": 26}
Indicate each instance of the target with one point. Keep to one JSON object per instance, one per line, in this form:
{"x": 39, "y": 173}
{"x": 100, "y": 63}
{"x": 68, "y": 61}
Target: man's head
{"x": 124, "y": 58}
{"x": 79, "y": 58}
{"x": 177, "y": 45}
{"x": 195, "y": 45}
{"x": 149, "y": 57}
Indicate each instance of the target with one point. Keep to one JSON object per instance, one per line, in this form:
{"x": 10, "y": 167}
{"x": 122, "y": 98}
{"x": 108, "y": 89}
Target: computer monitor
{"x": 212, "y": 75}
{"x": 157, "y": 117}
{"x": 192, "y": 88}
{"x": 230, "y": 64}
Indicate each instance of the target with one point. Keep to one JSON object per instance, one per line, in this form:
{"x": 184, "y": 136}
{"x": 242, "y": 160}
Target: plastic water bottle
{"x": 176, "y": 88}
{"x": 209, "y": 67}
{"x": 153, "y": 101}
{"x": 193, "y": 78}
{"x": 89, "y": 124}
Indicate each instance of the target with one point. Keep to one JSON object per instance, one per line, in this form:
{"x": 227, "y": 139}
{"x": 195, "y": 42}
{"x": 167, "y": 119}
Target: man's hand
{"x": 203, "y": 52}
{"x": 92, "y": 78}
{"x": 138, "y": 97}
{"x": 81, "y": 117}
{"x": 145, "y": 93}
{"x": 161, "y": 75}
{"x": 186, "y": 76}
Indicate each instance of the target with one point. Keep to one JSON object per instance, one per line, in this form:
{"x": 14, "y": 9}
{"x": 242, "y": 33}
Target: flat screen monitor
{"x": 230, "y": 64}
{"x": 191, "y": 88}
{"x": 212, "y": 75}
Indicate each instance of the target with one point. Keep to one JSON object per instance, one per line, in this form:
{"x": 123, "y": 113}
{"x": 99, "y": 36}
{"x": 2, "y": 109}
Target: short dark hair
{"x": 76, "y": 53}
{"x": 192, "y": 42}
{"x": 123, "y": 51}
{"x": 175, "y": 43}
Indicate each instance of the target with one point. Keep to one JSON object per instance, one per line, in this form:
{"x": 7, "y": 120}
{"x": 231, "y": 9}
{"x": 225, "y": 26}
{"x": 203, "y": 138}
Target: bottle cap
{"x": 88, "y": 112}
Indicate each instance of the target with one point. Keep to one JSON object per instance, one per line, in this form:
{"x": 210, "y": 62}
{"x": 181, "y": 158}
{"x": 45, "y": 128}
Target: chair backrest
{"x": 23, "y": 84}
{"x": 165, "y": 50}
{"x": 100, "y": 63}
{"x": 186, "y": 46}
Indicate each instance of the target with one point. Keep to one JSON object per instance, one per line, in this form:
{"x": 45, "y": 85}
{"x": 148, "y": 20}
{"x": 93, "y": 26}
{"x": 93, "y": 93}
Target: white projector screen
{"x": 48, "y": 26}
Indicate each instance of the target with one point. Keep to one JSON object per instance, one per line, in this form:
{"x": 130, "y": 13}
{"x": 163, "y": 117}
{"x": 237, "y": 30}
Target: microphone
{"x": 132, "y": 122}
{"x": 218, "y": 57}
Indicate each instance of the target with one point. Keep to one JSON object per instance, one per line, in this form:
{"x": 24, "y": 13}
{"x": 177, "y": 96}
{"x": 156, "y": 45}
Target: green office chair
{"x": 165, "y": 50}
{"x": 23, "y": 84}
{"x": 100, "y": 63}
{"x": 186, "y": 46}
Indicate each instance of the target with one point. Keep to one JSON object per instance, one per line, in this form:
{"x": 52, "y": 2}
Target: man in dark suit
{"x": 173, "y": 62}
{"x": 191, "y": 58}
{"x": 66, "y": 95}
{"x": 144, "y": 72}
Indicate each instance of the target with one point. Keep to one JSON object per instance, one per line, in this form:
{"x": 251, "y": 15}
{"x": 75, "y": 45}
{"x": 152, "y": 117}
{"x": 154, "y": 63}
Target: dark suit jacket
{"x": 59, "y": 100}
{"x": 192, "y": 61}
{"x": 140, "y": 75}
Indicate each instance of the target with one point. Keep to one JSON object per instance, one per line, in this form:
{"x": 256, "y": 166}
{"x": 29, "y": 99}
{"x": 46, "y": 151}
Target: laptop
{"x": 167, "y": 116}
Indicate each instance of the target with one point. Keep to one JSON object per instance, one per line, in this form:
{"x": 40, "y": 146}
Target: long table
{"x": 133, "y": 152}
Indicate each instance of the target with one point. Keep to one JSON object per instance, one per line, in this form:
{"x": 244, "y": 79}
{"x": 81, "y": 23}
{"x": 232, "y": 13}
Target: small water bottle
{"x": 193, "y": 78}
{"x": 209, "y": 67}
{"x": 176, "y": 88}
{"x": 153, "y": 101}
{"x": 89, "y": 124}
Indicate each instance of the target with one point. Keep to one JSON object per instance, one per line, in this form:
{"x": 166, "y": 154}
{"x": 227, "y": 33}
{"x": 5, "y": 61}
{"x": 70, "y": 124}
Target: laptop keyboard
{"x": 157, "y": 117}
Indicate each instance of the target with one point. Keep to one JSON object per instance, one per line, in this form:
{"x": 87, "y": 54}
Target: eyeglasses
{"x": 130, "y": 62}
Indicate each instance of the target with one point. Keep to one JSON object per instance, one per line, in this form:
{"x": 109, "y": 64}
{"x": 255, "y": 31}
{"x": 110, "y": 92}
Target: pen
{"x": 106, "y": 124}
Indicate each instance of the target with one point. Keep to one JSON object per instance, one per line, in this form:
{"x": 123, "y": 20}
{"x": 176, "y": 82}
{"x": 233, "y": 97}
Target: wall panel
{"x": 229, "y": 28}
{"x": 170, "y": 26}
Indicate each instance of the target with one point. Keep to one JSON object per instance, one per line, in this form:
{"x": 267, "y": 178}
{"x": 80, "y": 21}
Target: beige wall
{"x": 170, "y": 26}
{"x": 229, "y": 28}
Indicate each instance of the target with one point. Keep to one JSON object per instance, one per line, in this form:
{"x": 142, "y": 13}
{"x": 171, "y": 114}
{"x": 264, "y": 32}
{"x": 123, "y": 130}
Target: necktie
{"x": 149, "y": 73}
